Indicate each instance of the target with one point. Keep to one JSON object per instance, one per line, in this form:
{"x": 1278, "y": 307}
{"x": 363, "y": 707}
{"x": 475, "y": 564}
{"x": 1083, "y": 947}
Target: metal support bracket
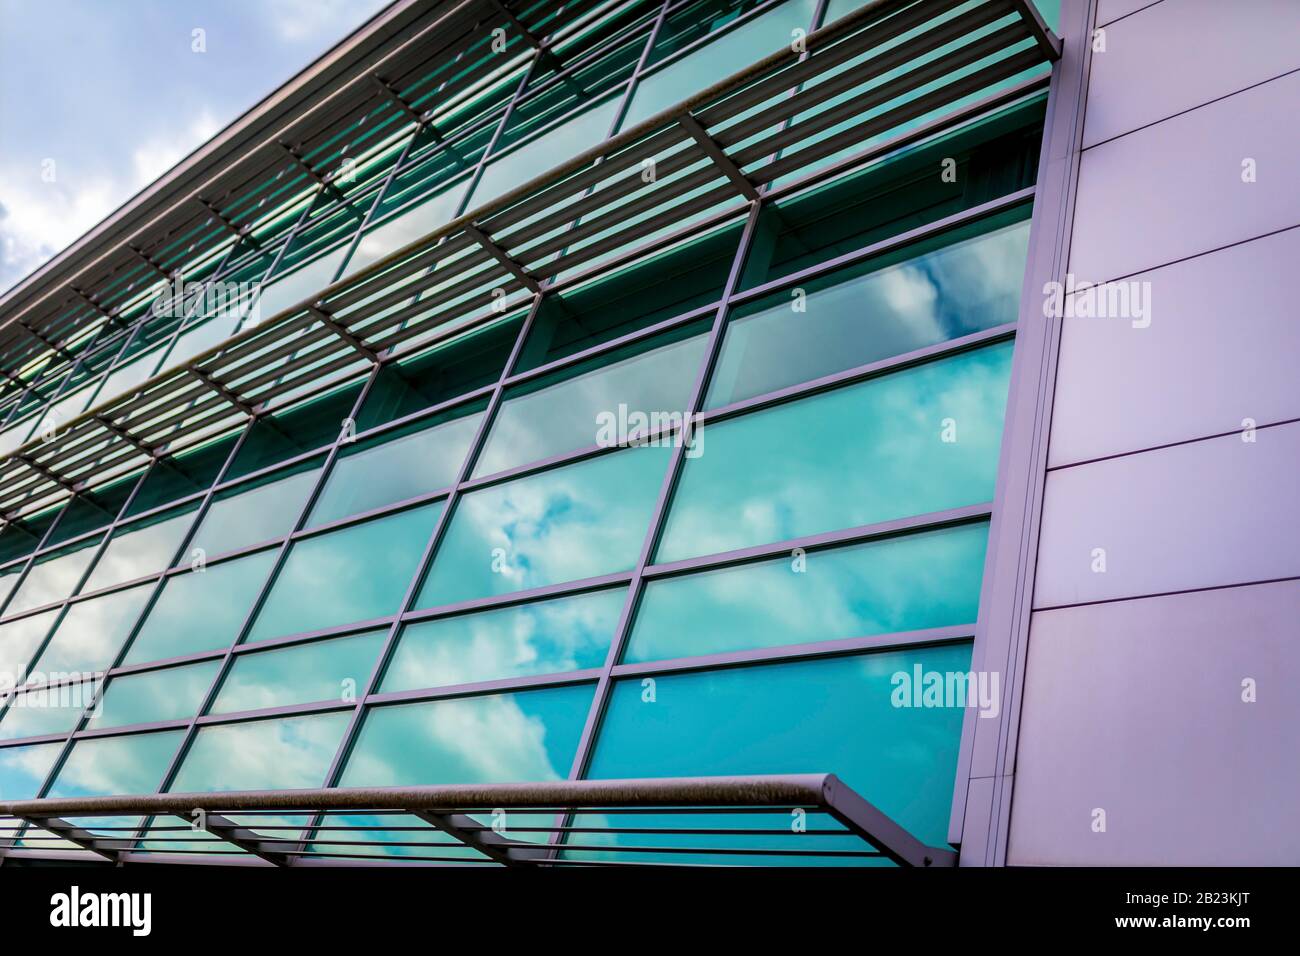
{"x": 718, "y": 156}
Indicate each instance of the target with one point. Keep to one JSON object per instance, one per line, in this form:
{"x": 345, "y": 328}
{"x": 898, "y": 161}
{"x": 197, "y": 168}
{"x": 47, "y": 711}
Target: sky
{"x": 98, "y": 98}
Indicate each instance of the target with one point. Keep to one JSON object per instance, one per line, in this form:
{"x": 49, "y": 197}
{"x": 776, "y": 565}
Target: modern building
{"x": 702, "y": 395}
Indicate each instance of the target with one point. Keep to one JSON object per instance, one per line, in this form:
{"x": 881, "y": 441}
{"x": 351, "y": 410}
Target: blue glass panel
{"x": 24, "y": 769}
{"x": 284, "y": 754}
{"x": 858, "y": 455}
{"x": 578, "y": 521}
{"x": 52, "y": 577}
{"x": 564, "y": 634}
{"x": 92, "y": 632}
{"x": 531, "y": 735}
{"x": 140, "y": 549}
{"x": 333, "y": 670}
{"x": 852, "y": 318}
{"x": 247, "y": 515}
{"x": 354, "y": 574}
{"x": 168, "y": 694}
{"x": 908, "y": 583}
{"x": 383, "y": 473}
{"x": 836, "y": 715}
{"x": 201, "y": 610}
{"x": 19, "y": 640}
{"x": 46, "y": 710}
{"x": 99, "y": 766}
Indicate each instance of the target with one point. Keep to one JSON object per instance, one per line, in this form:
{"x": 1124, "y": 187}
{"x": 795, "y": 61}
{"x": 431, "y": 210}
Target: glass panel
{"x": 140, "y": 549}
{"x": 260, "y": 511}
{"x": 416, "y": 223}
{"x": 502, "y": 738}
{"x": 46, "y": 710}
{"x": 99, "y": 766}
{"x": 542, "y": 420}
{"x": 19, "y": 640}
{"x": 333, "y": 670}
{"x": 354, "y": 574}
{"x": 201, "y": 610}
{"x": 23, "y": 769}
{"x": 549, "y": 637}
{"x": 908, "y": 583}
{"x": 53, "y": 577}
{"x": 127, "y": 376}
{"x": 296, "y": 287}
{"x": 384, "y": 472}
{"x": 578, "y": 521}
{"x": 792, "y": 718}
{"x": 861, "y": 454}
{"x": 291, "y": 753}
{"x": 91, "y": 633}
{"x": 557, "y": 145}
{"x": 168, "y": 694}
{"x": 733, "y": 51}
{"x": 852, "y": 318}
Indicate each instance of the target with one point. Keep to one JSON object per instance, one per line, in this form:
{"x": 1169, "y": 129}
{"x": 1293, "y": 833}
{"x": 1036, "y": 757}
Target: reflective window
{"x": 907, "y": 583}
{"x": 92, "y": 632}
{"x": 416, "y": 223}
{"x": 856, "y": 317}
{"x": 260, "y": 511}
{"x": 531, "y": 735}
{"x": 201, "y": 610}
{"x": 573, "y": 522}
{"x": 19, "y": 640}
{"x": 284, "y": 754}
{"x": 106, "y": 765}
{"x": 556, "y": 146}
{"x": 354, "y": 574}
{"x": 792, "y": 718}
{"x": 726, "y": 54}
{"x": 53, "y": 577}
{"x": 46, "y": 710}
{"x": 140, "y": 549}
{"x": 390, "y": 470}
{"x": 610, "y": 401}
{"x": 23, "y": 769}
{"x": 331, "y": 670}
{"x": 564, "y": 634}
{"x": 920, "y": 440}
{"x": 298, "y": 286}
{"x": 168, "y": 694}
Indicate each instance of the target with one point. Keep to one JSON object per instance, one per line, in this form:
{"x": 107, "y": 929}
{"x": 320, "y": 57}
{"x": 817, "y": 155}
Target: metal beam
{"x": 719, "y": 157}
{"x": 466, "y": 830}
{"x": 1048, "y": 42}
{"x": 340, "y": 330}
{"x": 241, "y": 233}
{"x": 75, "y": 834}
{"x": 223, "y": 390}
{"x": 503, "y": 257}
{"x": 239, "y": 836}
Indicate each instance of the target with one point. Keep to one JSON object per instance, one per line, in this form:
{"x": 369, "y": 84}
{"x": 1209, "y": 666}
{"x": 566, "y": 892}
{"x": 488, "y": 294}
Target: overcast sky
{"x": 114, "y": 94}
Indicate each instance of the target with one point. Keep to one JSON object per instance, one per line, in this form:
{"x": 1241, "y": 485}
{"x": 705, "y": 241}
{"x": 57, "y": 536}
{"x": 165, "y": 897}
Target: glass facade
{"x": 686, "y": 516}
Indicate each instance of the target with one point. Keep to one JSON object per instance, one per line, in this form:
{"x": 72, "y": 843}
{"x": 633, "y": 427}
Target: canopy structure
{"x": 782, "y": 820}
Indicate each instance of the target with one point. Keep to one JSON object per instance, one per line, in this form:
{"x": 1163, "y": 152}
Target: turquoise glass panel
{"x": 354, "y": 574}
{"x": 333, "y": 670}
{"x": 416, "y": 223}
{"x": 98, "y": 766}
{"x": 19, "y": 640}
{"x": 24, "y": 769}
{"x": 201, "y": 610}
{"x": 907, "y": 583}
{"x": 138, "y": 550}
{"x": 584, "y": 410}
{"x": 835, "y": 715}
{"x": 858, "y": 455}
{"x": 719, "y": 58}
{"x": 378, "y": 474}
{"x": 852, "y": 319}
{"x": 246, "y": 516}
{"x": 547, "y": 151}
{"x": 578, "y": 521}
{"x": 500, "y": 738}
{"x": 169, "y": 694}
{"x": 286, "y": 754}
{"x": 53, "y": 577}
{"x": 92, "y": 632}
{"x": 296, "y": 287}
{"x": 46, "y": 710}
{"x": 549, "y": 637}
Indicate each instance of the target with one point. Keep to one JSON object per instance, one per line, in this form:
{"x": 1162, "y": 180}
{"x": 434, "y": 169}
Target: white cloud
{"x": 298, "y": 20}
